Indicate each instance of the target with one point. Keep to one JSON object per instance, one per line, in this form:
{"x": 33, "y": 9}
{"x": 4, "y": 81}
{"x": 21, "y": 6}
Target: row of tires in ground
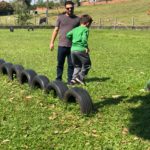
{"x": 11, "y": 28}
{"x": 56, "y": 88}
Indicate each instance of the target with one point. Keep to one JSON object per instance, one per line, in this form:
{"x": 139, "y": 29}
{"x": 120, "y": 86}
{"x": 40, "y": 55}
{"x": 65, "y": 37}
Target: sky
{"x": 12, "y": 0}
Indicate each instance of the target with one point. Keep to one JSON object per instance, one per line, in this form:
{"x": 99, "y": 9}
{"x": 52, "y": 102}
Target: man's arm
{"x": 54, "y": 35}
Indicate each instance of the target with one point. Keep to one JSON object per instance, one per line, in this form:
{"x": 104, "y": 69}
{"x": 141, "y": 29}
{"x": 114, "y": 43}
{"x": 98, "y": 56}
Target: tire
{"x": 26, "y": 76}
{"x": 15, "y": 71}
{"x": 58, "y": 88}
{"x": 82, "y": 97}
{"x": 11, "y": 29}
{"x": 2, "y": 61}
{"x": 5, "y": 68}
{"x": 30, "y": 28}
{"x": 40, "y": 81}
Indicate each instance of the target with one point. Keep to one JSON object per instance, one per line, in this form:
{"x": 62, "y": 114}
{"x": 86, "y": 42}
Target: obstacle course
{"x": 58, "y": 88}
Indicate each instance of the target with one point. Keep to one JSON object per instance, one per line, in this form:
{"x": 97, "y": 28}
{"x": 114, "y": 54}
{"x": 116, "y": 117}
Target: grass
{"x": 31, "y": 119}
{"x": 123, "y": 12}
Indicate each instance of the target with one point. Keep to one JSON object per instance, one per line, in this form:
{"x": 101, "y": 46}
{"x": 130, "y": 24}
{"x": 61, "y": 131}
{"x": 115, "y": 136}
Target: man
{"x": 65, "y": 22}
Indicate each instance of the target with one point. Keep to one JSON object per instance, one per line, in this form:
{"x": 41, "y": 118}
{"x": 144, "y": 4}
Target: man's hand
{"x": 51, "y": 46}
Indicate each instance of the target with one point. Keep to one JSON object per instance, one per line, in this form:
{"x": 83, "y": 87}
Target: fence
{"x": 115, "y": 23}
{"x": 12, "y": 20}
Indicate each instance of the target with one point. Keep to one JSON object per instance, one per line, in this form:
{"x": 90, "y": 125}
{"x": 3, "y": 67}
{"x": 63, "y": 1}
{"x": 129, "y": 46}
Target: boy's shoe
{"x": 72, "y": 82}
{"x": 80, "y": 81}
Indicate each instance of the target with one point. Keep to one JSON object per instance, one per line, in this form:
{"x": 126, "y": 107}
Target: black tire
{"x": 30, "y": 28}
{"x": 40, "y": 81}
{"x": 5, "y": 68}
{"x": 82, "y": 97}
{"x": 58, "y": 88}
{"x": 11, "y": 29}
{"x": 15, "y": 71}
{"x": 2, "y": 61}
{"x": 26, "y": 76}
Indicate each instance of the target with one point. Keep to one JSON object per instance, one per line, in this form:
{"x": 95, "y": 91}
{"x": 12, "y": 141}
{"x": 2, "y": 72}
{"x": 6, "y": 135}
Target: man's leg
{"x": 60, "y": 62}
{"x": 70, "y": 65}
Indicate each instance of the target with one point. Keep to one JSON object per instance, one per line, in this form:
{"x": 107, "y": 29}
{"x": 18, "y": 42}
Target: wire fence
{"x": 12, "y": 20}
{"x": 100, "y": 23}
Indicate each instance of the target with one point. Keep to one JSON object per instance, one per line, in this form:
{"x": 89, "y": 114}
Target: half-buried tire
{"x": 15, "y": 71}
{"x": 26, "y": 76}
{"x": 82, "y": 97}
{"x": 2, "y": 61}
{"x": 57, "y": 88}
{"x": 5, "y": 68}
{"x": 40, "y": 81}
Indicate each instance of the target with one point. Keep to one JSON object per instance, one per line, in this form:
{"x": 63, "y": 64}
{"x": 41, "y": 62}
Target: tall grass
{"x": 31, "y": 119}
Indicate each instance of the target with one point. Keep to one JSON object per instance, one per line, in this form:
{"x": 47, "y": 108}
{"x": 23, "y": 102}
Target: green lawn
{"x": 30, "y": 119}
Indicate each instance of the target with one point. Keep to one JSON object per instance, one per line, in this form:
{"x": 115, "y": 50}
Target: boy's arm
{"x": 85, "y": 38}
{"x": 69, "y": 35}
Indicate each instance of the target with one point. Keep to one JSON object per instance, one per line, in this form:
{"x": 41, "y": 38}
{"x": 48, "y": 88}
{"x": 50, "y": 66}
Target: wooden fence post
{"x": 14, "y": 20}
{"x": 35, "y": 19}
{"x": 115, "y": 23}
{"x": 5, "y": 20}
{"x": 133, "y": 22}
{"x": 100, "y": 23}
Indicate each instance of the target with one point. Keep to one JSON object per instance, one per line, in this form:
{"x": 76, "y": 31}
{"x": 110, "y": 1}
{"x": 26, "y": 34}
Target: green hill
{"x": 108, "y": 14}
{"x": 124, "y": 12}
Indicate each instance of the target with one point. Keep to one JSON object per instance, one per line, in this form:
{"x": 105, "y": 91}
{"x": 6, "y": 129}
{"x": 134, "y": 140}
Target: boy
{"x": 79, "y": 49}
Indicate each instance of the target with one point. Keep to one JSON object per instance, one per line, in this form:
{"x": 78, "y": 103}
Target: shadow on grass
{"x": 108, "y": 101}
{"x": 140, "y": 121}
{"x": 97, "y": 79}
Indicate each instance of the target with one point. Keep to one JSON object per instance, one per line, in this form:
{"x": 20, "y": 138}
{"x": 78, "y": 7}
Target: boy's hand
{"x": 87, "y": 50}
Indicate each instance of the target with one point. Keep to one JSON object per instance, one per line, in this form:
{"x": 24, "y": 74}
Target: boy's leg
{"x": 76, "y": 63}
{"x": 60, "y": 62}
{"x": 86, "y": 65}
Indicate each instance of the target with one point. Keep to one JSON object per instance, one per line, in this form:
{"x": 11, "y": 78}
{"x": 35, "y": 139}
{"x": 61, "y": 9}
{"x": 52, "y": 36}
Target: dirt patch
{"x": 103, "y": 2}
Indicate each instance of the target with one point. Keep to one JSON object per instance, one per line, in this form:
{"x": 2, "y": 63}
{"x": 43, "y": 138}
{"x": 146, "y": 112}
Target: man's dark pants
{"x": 64, "y": 52}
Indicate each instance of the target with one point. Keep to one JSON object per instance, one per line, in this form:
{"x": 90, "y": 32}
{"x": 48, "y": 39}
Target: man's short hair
{"x": 69, "y": 2}
{"x": 85, "y": 19}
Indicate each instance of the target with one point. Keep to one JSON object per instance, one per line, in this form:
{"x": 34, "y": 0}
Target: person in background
{"x": 65, "y": 22}
{"x": 80, "y": 50}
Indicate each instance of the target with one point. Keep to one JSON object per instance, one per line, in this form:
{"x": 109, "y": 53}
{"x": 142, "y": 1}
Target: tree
{"x": 78, "y": 3}
{"x": 28, "y": 2}
{"x": 22, "y": 9}
{"x": 6, "y": 8}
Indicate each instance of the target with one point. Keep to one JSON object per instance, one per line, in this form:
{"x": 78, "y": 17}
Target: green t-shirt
{"x": 79, "y": 38}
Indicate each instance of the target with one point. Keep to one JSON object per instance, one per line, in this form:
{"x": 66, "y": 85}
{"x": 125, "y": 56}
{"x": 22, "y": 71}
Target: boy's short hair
{"x": 85, "y": 19}
{"x": 69, "y": 2}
